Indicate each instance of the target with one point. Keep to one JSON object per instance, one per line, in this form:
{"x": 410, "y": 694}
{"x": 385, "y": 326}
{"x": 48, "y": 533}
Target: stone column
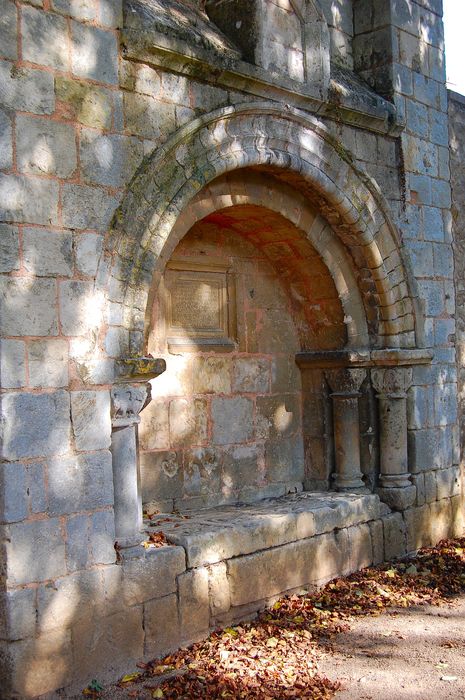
{"x": 127, "y": 400}
{"x": 345, "y": 384}
{"x": 391, "y": 384}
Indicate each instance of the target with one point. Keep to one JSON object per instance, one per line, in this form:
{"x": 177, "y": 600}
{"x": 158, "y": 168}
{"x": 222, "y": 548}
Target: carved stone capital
{"x": 345, "y": 381}
{"x": 127, "y": 401}
{"x": 392, "y": 382}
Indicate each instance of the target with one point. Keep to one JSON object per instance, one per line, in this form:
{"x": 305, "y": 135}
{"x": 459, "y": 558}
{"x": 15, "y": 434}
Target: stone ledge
{"x": 217, "y": 534}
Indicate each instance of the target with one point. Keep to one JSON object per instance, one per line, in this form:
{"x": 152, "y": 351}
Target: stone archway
{"x": 296, "y": 166}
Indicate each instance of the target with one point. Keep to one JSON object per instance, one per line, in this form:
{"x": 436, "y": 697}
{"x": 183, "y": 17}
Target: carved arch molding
{"x": 176, "y": 187}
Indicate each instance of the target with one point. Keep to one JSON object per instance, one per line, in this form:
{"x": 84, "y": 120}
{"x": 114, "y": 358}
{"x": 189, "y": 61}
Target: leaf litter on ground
{"x": 276, "y": 655}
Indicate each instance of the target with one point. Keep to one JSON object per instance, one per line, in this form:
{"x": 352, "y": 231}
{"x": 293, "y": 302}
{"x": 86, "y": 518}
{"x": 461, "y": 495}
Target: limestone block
{"x": 147, "y": 117}
{"x": 48, "y": 363}
{"x": 6, "y": 142}
{"x": 161, "y": 624}
{"x": 277, "y": 416}
{"x": 94, "y": 53}
{"x": 194, "y": 608}
{"x": 17, "y": 613}
{"x": 448, "y": 482}
{"x": 161, "y": 475}
{"x": 35, "y": 26}
{"x": 285, "y": 375}
{"x": 88, "y": 249}
{"x": 109, "y": 159}
{"x": 441, "y": 512}
{"x": 65, "y": 601}
{"x": 87, "y": 207}
{"x": 12, "y": 363}
{"x": 36, "y": 425}
{"x": 265, "y": 574}
{"x": 9, "y": 248}
{"x": 152, "y": 576}
{"x": 80, "y": 483}
{"x": 95, "y": 371}
{"x": 80, "y": 9}
{"x": 377, "y": 539}
{"x": 8, "y": 29}
{"x": 102, "y": 537}
{"x": 398, "y": 498}
{"x": 154, "y": 426}
{"x": 276, "y": 334}
{"x": 117, "y": 342}
{"x": 418, "y": 480}
{"x": 13, "y": 494}
{"x": 44, "y": 146}
{"x": 176, "y": 380}
{"x": 77, "y": 542}
{"x": 360, "y": 547}
{"x": 91, "y": 420}
{"x": 457, "y": 524}
{"x": 39, "y": 665}
{"x": 188, "y": 422}
{"x": 251, "y": 375}
{"x": 418, "y": 524}
{"x": 35, "y": 551}
{"x": 111, "y": 13}
{"x": 47, "y": 253}
{"x": 232, "y": 420}
{"x": 27, "y": 90}
{"x": 218, "y": 589}
{"x": 240, "y": 468}
{"x": 111, "y": 644}
{"x": 394, "y": 536}
{"x": 36, "y": 487}
{"x": 29, "y": 200}
{"x": 430, "y": 486}
{"x": 80, "y": 307}
{"x": 284, "y": 459}
{"x": 212, "y": 375}
{"x": 28, "y": 307}
{"x": 89, "y": 104}
{"x": 202, "y": 471}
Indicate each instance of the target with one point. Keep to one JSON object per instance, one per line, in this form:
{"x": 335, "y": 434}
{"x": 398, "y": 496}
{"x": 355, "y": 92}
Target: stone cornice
{"x": 388, "y": 357}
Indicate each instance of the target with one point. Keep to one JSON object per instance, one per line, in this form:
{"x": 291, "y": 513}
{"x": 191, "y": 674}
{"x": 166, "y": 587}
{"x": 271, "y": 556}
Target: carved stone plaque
{"x": 199, "y": 304}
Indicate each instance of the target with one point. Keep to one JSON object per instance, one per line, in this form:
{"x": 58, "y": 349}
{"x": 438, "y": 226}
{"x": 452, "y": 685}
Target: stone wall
{"x": 109, "y": 155}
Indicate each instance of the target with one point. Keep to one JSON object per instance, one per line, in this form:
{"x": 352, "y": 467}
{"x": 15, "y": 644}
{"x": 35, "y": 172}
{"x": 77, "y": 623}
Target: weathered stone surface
{"x": 240, "y": 468}
{"x": 87, "y": 207}
{"x": 89, "y": 104}
{"x": 394, "y": 536}
{"x": 45, "y": 37}
{"x": 13, "y": 498}
{"x": 146, "y": 117}
{"x": 448, "y": 482}
{"x": 212, "y": 375}
{"x": 35, "y": 551}
{"x": 94, "y": 53}
{"x": 48, "y": 363}
{"x": 377, "y": 540}
{"x": 80, "y": 9}
{"x": 398, "y": 498}
{"x": 47, "y": 253}
{"x": 48, "y": 659}
{"x": 37, "y": 425}
{"x": 88, "y": 249}
{"x": 152, "y": 576}
{"x": 232, "y": 420}
{"x": 154, "y": 427}
{"x": 28, "y": 306}
{"x": 102, "y": 537}
{"x": 441, "y": 519}
{"x": 284, "y": 459}
{"x": 80, "y": 307}
{"x": 251, "y": 375}
{"x": 9, "y": 248}
{"x": 277, "y": 416}
{"x": 17, "y": 613}
{"x": 9, "y": 48}
{"x": 12, "y": 363}
{"x": 188, "y": 422}
{"x": 80, "y": 483}
{"x": 194, "y": 609}
{"x": 202, "y": 471}
{"x": 218, "y": 589}
{"x": 45, "y": 146}
{"x": 68, "y": 600}
{"x": 6, "y": 140}
{"x": 27, "y": 89}
{"x": 109, "y": 159}
{"x": 161, "y": 625}
{"x": 161, "y": 475}
{"x": 90, "y": 416}
{"x": 360, "y": 546}
{"x": 28, "y": 200}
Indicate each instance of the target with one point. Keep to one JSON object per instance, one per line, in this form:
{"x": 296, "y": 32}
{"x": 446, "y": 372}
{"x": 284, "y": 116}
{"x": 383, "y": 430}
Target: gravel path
{"x": 406, "y": 654}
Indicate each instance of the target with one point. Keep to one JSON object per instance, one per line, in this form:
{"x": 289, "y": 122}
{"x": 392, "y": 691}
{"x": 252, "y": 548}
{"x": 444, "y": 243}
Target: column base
{"x": 398, "y": 498}
{"x": 395, "y": 481}
{"x": 346, "y": 484}
{"x": 130, "y": 547}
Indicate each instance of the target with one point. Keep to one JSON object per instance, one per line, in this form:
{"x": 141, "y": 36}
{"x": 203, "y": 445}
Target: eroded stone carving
{"x": 127, "y": 401}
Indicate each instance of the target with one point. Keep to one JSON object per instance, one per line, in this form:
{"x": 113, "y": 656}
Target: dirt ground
{"x": 412, "y": 654}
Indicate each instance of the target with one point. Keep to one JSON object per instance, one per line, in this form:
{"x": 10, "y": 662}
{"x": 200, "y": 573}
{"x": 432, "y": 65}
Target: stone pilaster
{"x": 392, "y": 384}
{"x": 345, "y": 384}
{"x": 127, "y": 400}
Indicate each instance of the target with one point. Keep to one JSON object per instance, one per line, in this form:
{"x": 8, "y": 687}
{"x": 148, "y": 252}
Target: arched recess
{"x": 292, "y": 147}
